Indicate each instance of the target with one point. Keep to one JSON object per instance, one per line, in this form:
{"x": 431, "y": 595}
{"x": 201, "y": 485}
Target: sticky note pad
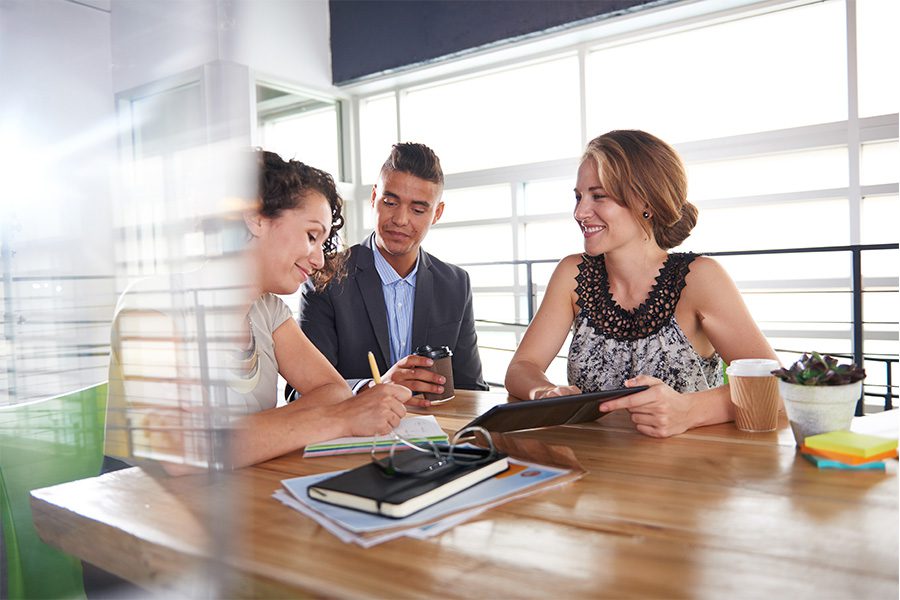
{"x": 847, "y": 459}
{"x": 827, "y": 463}
{"x": 848, "y": 442}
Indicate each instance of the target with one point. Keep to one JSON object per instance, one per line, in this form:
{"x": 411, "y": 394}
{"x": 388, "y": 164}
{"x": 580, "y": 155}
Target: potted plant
{"x": 819, "y": 394}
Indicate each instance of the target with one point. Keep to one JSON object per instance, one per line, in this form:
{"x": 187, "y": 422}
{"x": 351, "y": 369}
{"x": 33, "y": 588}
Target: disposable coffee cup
{"x": 754, "y": 393}
{"x": 443, "y": 365}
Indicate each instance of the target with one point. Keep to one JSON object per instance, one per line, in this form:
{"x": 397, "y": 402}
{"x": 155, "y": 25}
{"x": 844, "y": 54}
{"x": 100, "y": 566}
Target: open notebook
{"x": 415, "y": 429}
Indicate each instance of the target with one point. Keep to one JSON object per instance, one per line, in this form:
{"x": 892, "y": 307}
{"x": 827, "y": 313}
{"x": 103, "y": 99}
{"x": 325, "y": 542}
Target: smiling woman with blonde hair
{"x": 639, "y": 314}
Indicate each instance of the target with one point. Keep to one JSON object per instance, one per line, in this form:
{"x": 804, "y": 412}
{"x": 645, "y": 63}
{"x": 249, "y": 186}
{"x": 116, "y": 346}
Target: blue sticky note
{"x": 827, "y": 463}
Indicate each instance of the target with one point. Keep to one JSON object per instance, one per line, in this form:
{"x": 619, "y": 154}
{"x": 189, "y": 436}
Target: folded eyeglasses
{"x": 458, "y": 451}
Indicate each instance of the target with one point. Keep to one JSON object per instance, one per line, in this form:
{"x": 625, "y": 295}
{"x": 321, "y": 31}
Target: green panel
{"x": 41, "y": 444}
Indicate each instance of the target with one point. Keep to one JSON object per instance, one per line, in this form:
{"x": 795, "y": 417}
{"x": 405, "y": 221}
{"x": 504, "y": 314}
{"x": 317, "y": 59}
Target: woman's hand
{"x": 658, "y": 411}
{"x": 374, "y": 411}
{"x": 556, "y": 391}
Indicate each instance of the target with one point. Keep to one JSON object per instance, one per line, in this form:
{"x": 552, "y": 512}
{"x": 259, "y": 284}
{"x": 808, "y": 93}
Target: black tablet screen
{"x": 547, "y": 412}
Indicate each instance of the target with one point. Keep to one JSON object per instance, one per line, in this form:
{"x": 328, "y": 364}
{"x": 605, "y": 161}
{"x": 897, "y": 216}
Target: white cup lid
{"x": 752, "y": 367}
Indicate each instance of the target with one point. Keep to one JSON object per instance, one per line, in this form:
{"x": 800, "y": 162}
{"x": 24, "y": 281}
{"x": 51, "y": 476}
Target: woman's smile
{"x": 591, "y": 230}
{"x": 304, "y": 274}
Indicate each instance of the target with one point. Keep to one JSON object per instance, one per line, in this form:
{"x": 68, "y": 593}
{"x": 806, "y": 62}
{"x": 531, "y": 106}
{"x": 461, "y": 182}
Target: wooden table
{"x": 714, "y": 513}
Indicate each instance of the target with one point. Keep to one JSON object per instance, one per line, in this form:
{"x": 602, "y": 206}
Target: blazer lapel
{"x": 423, "y": 303}
{"x": 373, "y": 296}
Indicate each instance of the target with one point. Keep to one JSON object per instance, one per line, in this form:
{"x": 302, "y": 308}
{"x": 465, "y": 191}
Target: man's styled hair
{"x": 416, "y": 159}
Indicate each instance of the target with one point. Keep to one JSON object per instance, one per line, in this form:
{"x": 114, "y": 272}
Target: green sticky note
{"x": 848, "y": 442}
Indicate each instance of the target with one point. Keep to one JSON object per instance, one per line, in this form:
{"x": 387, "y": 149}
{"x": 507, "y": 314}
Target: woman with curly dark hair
{"x": 288, "y": 185}
{"x": 195, "y": 357}
{"x": 293, "y": 233}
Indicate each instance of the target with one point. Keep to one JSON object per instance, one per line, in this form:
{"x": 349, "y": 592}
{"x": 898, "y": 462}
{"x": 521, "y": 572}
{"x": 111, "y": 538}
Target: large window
{"x": 378, "y": 130}
{"x": 514, "y": 116}
{"x": 758, "y": 101}
{"x": 773, "y": 71}
{"x": 300, "y": 126}
{"x": 877, "y": 47}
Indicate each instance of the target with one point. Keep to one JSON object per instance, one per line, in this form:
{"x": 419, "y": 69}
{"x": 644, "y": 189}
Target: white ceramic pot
{"x": 814, "y": 409}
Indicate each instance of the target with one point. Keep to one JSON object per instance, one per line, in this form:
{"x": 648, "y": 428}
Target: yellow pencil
{"x": 376, "y": 376}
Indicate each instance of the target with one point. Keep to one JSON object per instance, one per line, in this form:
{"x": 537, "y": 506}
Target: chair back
{"x": 45, "y": 443}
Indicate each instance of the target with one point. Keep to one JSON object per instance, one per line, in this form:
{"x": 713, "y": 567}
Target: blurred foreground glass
{"x": 173, "y": 395}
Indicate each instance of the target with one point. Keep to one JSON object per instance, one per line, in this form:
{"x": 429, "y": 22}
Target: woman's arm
{"x": 277, "y": 431}
{"x": 327, "y": 409}
{"x": 306, "y": 369}
{"x": 525, "y": 376}
{"x": 721, "y": 313}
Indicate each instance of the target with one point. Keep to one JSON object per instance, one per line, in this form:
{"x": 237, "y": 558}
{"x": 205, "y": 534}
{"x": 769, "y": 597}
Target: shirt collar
{"x": 386, "y": 271}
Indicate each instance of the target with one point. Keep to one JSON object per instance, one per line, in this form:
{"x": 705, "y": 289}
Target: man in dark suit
{"x": 395, "y": 296}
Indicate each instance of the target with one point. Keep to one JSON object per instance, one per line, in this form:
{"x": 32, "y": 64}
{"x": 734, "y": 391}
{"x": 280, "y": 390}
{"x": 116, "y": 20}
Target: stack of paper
{"x": 521, "y": 479}
{"x": 848, "y": 450}
{"x": 419, "y": 429}
{"x": 533, "y": 467}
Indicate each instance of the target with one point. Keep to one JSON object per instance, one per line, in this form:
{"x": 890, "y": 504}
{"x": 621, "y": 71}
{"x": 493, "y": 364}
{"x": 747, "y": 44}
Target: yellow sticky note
{"x": 848, "y": 442}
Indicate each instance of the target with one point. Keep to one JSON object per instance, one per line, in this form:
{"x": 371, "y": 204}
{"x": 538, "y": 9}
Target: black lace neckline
{"x": 609, "y": 319}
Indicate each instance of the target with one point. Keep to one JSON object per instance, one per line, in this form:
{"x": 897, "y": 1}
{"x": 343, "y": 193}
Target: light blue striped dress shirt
{"x": 399, "y": 299}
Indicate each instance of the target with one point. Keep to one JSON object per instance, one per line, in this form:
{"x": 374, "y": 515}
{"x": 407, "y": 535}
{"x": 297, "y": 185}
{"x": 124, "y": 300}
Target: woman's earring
{"x": 646, "y": 215}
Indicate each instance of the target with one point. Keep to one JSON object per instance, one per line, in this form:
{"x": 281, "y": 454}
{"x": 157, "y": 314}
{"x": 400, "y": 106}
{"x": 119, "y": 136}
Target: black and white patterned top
{"x": 611, "y": 344}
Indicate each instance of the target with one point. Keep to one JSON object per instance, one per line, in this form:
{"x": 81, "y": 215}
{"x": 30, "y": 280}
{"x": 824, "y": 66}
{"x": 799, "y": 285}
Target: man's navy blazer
{"x": 348, "y": 319}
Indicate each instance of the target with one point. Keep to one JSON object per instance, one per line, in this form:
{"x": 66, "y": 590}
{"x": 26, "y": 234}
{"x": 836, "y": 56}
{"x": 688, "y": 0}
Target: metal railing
{"x": 12, "y": 320}
{"x": 856, "y": 290}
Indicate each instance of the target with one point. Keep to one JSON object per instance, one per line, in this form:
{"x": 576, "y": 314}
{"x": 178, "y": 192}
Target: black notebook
{"x": 368, "y": 488}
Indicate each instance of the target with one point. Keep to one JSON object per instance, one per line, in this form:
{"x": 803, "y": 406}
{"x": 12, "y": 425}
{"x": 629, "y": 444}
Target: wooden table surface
{"x": 709, "y": 514}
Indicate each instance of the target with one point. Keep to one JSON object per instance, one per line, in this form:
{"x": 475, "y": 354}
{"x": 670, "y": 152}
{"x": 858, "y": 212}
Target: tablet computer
{"x": 547, "y": 412}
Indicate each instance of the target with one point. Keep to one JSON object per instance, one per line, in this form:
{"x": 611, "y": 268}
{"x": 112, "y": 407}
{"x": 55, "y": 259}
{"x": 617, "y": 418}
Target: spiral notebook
{"x": 417, "y": 429}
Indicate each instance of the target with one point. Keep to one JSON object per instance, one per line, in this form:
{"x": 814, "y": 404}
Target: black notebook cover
{"x": 368, "y": 488}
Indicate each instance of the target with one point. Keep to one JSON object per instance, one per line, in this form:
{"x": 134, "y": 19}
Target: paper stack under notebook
{"x": 848, "y": 450}
{"x": 530, "y": 467}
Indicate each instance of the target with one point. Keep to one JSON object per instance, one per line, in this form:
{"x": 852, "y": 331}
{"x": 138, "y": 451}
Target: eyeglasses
{"x": 443, "y": 455}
